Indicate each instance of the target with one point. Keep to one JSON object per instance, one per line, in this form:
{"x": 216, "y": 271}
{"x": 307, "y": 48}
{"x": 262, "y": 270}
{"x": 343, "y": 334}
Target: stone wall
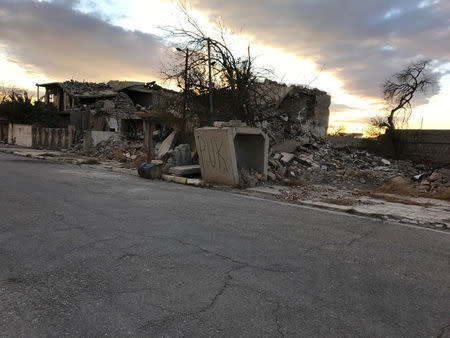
{"x": 424, "y": 146}
{"x": 427, "y": 146}
{"x": 353, "y": 142}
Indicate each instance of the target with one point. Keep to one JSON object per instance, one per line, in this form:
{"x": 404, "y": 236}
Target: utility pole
{"x": 211, "y": 108}
{"x": 185, "y": 87}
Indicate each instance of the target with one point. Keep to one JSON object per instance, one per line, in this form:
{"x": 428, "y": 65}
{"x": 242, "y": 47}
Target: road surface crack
{"x": 90, "y": 244}
{"x": 226, "y": 284}
{"x": 443, "y": 331}
{"x": 277, "y": 319}
{"x": 213, "y": 253}
{"x": 360, "y": 237}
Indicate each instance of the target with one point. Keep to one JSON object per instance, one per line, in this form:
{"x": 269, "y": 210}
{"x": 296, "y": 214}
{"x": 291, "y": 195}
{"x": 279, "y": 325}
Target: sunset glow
{"x": 129, "y": 39}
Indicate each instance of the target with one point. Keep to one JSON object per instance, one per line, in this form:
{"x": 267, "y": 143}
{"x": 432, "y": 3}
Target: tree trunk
{"x": 391, "y": 121}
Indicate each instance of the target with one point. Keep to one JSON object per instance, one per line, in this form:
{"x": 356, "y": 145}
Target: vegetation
{"x": 336, "y": 129}
{"x": 400, "y": 89}
{"x": 234, "y": 79}
{"x": 19, "y": 108}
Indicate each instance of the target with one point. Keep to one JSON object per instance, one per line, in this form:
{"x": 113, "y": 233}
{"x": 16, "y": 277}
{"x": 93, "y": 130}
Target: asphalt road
{"x": 86, "y": 252}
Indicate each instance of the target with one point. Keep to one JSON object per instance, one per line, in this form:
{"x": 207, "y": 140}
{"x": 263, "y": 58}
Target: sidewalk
{"x": 59, "y": 157}
{"x": 427, "y": 212}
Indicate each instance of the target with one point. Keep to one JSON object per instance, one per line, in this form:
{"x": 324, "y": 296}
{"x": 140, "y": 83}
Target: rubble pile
{"x": 311, "y": 161}
{"x": 85, "y": 88}
{"x": 123, "y": 106}
{"x": 280, "y": 127}
{"x": 437, "y": 181}
{"x": 321, "y": 162}
{"x": 113, "y": 149}
{"x": 434, "y": 183}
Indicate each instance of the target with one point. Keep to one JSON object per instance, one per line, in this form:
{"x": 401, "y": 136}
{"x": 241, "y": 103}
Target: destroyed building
{"x": 293, "y": 111}
{"x": 104, "y": 106}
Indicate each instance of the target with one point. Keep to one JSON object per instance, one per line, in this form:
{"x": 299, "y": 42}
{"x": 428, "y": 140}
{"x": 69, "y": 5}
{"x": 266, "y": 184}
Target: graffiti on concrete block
{"x": 212, "y": 152}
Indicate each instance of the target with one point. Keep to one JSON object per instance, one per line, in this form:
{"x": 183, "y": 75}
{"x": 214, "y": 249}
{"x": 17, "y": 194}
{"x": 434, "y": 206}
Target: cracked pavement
{"x": 85, "y": 252}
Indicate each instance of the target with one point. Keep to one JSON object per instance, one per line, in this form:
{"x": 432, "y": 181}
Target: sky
{"x": 345, "y": 47}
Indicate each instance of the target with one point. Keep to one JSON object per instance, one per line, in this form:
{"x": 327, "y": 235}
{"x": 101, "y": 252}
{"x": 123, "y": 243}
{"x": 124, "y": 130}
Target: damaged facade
{"x": 108, "y": 107}
{"x": 109, "y": 112}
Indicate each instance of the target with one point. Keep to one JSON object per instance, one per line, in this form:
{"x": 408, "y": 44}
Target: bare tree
{"x": 402, "y": 87}
{"x": 234, "y": 77}
{"x": 376, "y": 127}
{"x": 7, "y": 90}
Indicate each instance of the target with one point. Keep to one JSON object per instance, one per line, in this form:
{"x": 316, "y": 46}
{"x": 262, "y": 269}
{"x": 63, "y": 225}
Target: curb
{"x": 183, "y": 180}
{"x": 354, "y": 211}
{"x": 351, "y": 210}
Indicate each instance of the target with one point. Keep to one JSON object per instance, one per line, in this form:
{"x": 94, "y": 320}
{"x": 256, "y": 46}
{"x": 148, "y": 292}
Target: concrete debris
{"x": 316, "y": 161}
{"x": 293, "y": 112}
{"x": 318, "y": 170}
{"x": 399, "y": 180}
{"x": 185, "y": 170}
{"x": 114, "y": 149}
{"x": 288, "y": 146}
{"x": 286, "y": 157}
{"x": 248, "y": 178}
{"x": 231, "y": 123}
{"x": 271, "y": 176}
{"x": 167, "y": 145}
{"x": 122, "y": 107}
{"x": 182, "y": 155}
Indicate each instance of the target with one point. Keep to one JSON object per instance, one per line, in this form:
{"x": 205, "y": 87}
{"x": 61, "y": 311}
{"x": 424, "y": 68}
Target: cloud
{"x": 54, "y": 39}
{"x": 361, "y": 42}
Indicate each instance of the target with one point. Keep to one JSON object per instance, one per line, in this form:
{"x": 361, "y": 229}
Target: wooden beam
{"x": 148, "y": 138}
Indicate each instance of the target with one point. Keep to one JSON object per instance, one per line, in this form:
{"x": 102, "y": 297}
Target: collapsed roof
{"x": 102, "y": 90}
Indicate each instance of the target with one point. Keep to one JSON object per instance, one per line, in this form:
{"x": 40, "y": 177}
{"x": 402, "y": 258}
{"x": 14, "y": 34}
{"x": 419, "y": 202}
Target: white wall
{"x": 20, "y": 135}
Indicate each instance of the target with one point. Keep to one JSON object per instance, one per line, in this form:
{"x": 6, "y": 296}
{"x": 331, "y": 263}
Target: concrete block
{"x": 194, "y": 181}
{"x": 168, "y": 178}
{"x": 224, "y": 151}
{"x": 286, "y": 157}
{"x": 182, "y": 155}
{"x": 175, "y": 179}
{"x": 167, "y": 145}
{"x": 180, "y": 180}
{"x": 185, "y": 170}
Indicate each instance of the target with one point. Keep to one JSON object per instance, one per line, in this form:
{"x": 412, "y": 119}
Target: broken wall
{"x": 24, "y": 135}
{"x": 91, "y": 138}
{"x": 308, "y": 108}
{"x": 292, "y": 112}
{"x": 20, "y": 135}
